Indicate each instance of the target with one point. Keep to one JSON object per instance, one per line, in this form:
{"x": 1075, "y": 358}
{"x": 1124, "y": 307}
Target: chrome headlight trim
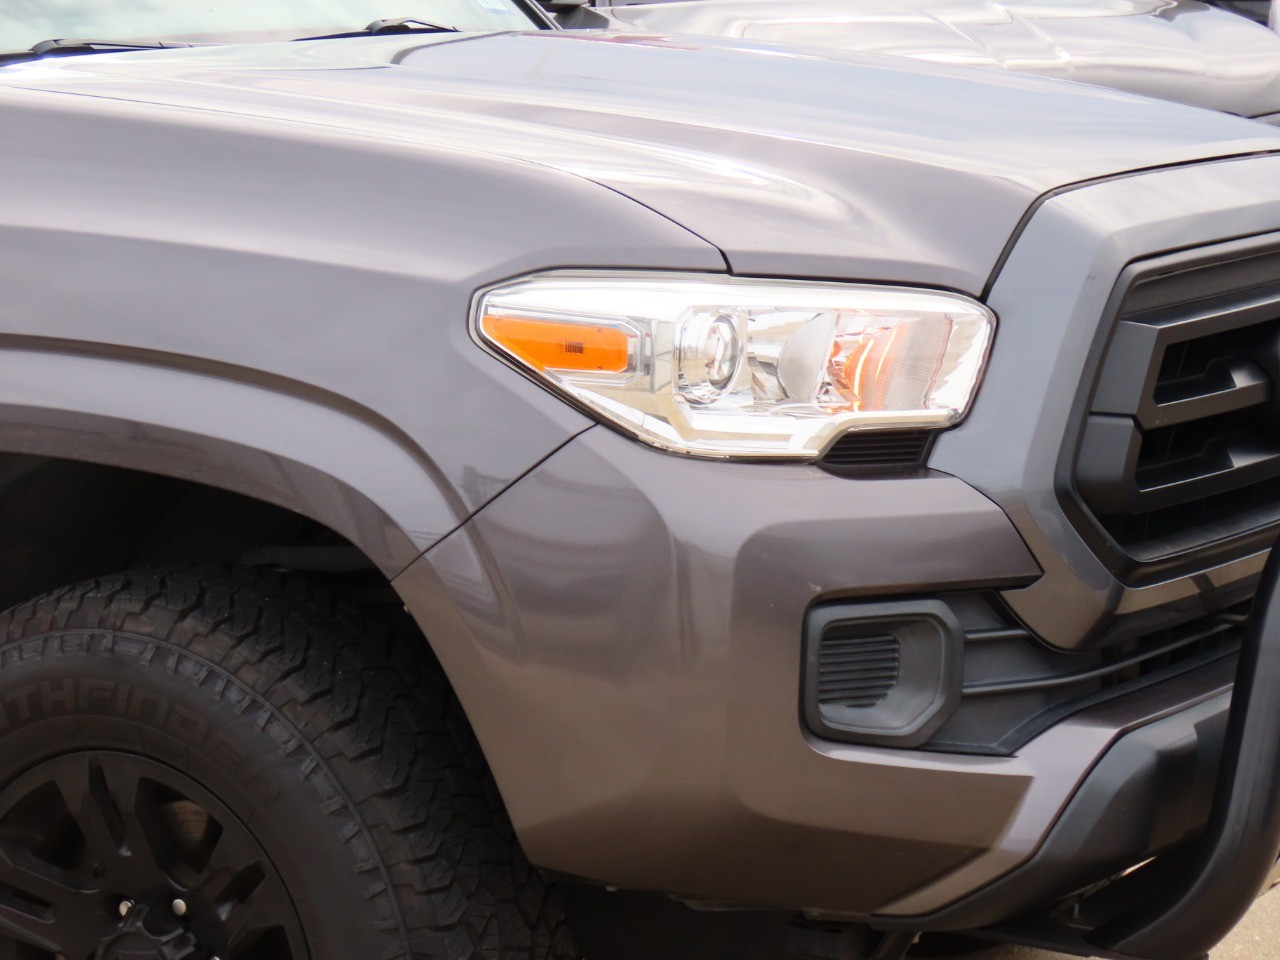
{"x": 741, "y": 368}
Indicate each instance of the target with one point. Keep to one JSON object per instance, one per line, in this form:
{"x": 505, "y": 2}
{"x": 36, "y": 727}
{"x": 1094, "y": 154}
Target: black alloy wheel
{"x": 233, "y": 764}
{"x": 112, "y": 856}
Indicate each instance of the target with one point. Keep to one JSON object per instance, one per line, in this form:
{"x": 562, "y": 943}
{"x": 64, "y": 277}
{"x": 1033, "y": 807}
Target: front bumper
{"x": 623, "y": 629}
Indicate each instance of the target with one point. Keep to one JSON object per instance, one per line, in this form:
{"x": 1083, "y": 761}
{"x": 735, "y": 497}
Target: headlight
{"x": 723, "y": 367}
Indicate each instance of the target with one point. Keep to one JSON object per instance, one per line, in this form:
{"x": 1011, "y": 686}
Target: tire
{"x": 228, "y": 763}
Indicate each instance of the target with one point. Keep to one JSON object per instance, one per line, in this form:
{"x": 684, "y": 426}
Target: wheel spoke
{"x": 115, "y": 814}
{"x": 88, "y": 796}
{"x": 45, "y": 906}
{"x": 246, "y": 919}
{"x": 248, "y": 898}
{"x": 245, "y": 893}
{"x": 18, "y": 920}
{"x": 233, "y": 854}
{"x": 21, "y": 871}
{"x": 49, "y": 905}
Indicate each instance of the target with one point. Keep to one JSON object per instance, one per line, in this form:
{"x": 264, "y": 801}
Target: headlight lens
{"x": 725, "y": 367}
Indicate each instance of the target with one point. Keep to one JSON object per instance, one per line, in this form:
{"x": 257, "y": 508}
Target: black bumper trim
{"x": 1203, "y": 892}
{"x": 1182, "y": 903}
{"x": 1151, "y": 791}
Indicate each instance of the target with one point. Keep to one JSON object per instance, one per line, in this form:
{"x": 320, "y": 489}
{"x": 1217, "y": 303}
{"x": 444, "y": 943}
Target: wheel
{"x": 227, "y": 764}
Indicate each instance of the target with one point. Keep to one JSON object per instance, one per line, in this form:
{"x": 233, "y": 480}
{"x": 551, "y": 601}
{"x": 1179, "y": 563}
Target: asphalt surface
{"x": 1257, "y": 938}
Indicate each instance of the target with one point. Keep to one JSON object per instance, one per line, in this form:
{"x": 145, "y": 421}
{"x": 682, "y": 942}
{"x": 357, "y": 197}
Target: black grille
{"x": 1182, "y": 443}
{"x": 878, "y": 450}
{"x": 1015, "y": 687}
{"x": 857, "y": 671}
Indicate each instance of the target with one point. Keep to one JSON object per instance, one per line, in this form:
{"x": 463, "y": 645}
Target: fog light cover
{"x": 886, "y": 674}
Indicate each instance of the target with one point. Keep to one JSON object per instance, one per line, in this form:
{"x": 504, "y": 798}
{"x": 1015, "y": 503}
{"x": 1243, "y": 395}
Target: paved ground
{"x": 1257, "y": 938}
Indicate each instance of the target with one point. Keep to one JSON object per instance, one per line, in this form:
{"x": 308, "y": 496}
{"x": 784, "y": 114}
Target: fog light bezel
{"x": 930, "y": 671}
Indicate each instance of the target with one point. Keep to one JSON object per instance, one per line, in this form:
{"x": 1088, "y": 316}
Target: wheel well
{"x": 62, "y": 521}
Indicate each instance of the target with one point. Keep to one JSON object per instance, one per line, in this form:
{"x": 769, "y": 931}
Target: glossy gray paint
{"x": 1182, "y": 50}
{"x": 624, "y": 627}
{"x": 629, "y": 656}
{"x": 790, "y": 162}
{"x": 253, "y": 267}
{"x": 645, "y": 640}
{"x": 296, "y": 296}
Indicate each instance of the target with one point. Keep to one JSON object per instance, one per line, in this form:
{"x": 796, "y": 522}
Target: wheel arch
{"x": 98, "y": 476}
{"x": 278, "y": 442}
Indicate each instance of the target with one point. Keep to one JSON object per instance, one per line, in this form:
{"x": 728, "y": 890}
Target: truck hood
{"x": 791, "y": 162}
{"x": 1183, "y": 51}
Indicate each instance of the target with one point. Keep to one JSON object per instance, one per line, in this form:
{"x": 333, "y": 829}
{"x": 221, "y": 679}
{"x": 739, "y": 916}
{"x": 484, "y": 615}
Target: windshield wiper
{"x": 395, "y": 25}
{"x": 70, "y": 47}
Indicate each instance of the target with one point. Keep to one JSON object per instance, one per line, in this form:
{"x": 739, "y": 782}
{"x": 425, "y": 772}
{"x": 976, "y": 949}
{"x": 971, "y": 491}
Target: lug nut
{"x": 180, "y": 908}
{"x": 125, "y": 907}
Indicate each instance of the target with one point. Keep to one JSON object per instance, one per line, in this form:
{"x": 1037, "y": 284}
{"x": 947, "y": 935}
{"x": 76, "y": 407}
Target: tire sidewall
{"x": 69, "y": 691}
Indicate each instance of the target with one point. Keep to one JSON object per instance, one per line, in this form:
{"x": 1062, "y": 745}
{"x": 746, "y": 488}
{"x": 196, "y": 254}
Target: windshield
{"x": 24, "y": 23}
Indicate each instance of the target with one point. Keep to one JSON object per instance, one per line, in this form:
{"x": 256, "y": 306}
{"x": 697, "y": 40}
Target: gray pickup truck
{"x": 475, "y": 490}
{"x": 1220, "y": 56}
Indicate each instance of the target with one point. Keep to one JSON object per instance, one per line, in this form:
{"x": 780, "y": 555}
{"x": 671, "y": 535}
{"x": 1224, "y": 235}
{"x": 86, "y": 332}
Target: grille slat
{"x": 1227, "y": 385}
{"x": 1182, "y": 444}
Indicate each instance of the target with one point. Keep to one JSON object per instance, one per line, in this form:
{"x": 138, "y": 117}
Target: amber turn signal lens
{"x": 561, "y": 345}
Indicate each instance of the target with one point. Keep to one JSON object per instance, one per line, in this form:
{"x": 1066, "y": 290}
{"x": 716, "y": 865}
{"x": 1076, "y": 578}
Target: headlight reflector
{"x": 726, "y": 367}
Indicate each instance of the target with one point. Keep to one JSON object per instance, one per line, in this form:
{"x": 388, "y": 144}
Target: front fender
{"x": 341, "y": 467}
{"x": 281, "y": 308}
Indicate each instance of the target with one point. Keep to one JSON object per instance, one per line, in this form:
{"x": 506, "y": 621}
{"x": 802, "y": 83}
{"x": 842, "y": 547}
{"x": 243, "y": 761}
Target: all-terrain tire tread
{"x": 425, "y": 824}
